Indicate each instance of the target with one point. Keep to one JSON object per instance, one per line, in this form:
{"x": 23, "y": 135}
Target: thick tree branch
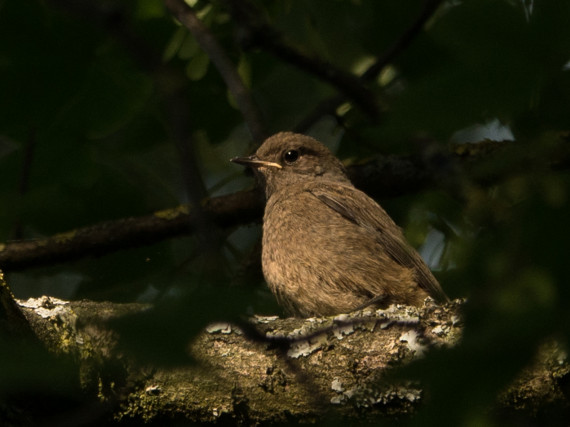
{"x": 324, "y": 367}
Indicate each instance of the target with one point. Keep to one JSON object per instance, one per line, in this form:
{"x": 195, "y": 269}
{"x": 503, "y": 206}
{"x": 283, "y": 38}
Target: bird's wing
{"x": 357, "y": 207}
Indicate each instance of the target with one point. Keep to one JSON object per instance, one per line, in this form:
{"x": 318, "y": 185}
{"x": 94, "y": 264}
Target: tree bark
{"x": 271, "y": 370}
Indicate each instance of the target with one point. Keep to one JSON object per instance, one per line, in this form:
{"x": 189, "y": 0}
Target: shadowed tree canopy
{"x": 117, "y": 122}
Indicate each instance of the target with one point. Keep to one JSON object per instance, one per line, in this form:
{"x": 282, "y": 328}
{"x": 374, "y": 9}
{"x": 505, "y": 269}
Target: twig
{"x": 226, "y": 68}
{"x": 346, "y": 83}
{"x": 260, "y": 34}
{"x": 330, "y": 105}
{"x": 403, "y": 41}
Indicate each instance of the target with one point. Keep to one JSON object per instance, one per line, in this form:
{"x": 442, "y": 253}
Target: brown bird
{"x": 328, "y": 248}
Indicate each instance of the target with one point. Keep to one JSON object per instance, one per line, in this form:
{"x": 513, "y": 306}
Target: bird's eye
{"x": 290, "y": 156}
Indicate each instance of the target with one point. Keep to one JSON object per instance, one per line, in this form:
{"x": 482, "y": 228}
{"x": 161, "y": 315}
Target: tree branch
{"x": 403, "y": 41}
{"x": 329, "y": 106}
{"x": 383, "y": 177}
{"x": 256, "y": 32}
{"x": 324, "y": 367}
{"x": 99, "y": 239}
{"x": 209, "y": 44}
{"x": 386, "y": 176}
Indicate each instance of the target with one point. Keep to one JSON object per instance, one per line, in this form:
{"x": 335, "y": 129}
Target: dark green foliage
{"x": 89, "y": 97}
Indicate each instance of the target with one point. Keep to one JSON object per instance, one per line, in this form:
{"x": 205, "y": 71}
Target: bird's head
{"x": 287, "y": 158}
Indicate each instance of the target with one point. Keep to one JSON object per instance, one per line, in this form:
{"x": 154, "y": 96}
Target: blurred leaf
{"x": 163, "y": 333}
{"x": 244, "y": 70}
{"x": 176, "y": 45}
{"x": 189, "y": 47}
{"x": 197, "y": 67}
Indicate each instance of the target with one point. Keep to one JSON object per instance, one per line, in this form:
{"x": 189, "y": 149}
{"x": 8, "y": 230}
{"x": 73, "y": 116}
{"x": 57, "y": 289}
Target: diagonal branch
{"x": 226, "y": 68}
{"x": 403, "y": 41}
{"x": 256, "y": 32}
{"x": 330, "y": 105}
{"x": 348, "y": 85}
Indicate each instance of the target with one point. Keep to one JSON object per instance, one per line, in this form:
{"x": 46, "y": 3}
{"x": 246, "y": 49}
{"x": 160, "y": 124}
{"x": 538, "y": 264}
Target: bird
{"x": 327, "y": 247}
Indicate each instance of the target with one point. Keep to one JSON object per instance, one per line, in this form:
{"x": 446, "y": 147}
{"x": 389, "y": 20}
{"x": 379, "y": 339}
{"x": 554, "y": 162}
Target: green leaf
{"x": 197, "y": 67}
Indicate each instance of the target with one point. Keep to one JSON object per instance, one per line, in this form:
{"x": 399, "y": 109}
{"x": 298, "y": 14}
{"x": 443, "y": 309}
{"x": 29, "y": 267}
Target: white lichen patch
{"x": 341, "y": 318}
{"x": 45, "y": 307}
{"x": 411, "y": 338}
{"x": 366, "y": 396}
{"x": 153, "y": 390}
{"x": 441, "y": 330}
{"x": 337, "y": 386}
{"x": 398, "y": 393}
{"x": 264, "y": 319}
{"x": 306, "y": 347}
{"x": 337, "y": 400}
{"x": 340, "y": 331}
{"x": 401, "y": 314}
{"x": 219, "y": 327}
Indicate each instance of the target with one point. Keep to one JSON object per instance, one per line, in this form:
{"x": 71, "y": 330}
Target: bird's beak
{"x": 254, "y": 162}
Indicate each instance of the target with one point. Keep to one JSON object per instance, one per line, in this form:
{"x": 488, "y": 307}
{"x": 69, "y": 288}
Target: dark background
{"x": 112, "y": 110}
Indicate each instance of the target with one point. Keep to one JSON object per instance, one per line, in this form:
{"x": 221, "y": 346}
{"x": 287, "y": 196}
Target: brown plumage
{"x": 328, "y": 248}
